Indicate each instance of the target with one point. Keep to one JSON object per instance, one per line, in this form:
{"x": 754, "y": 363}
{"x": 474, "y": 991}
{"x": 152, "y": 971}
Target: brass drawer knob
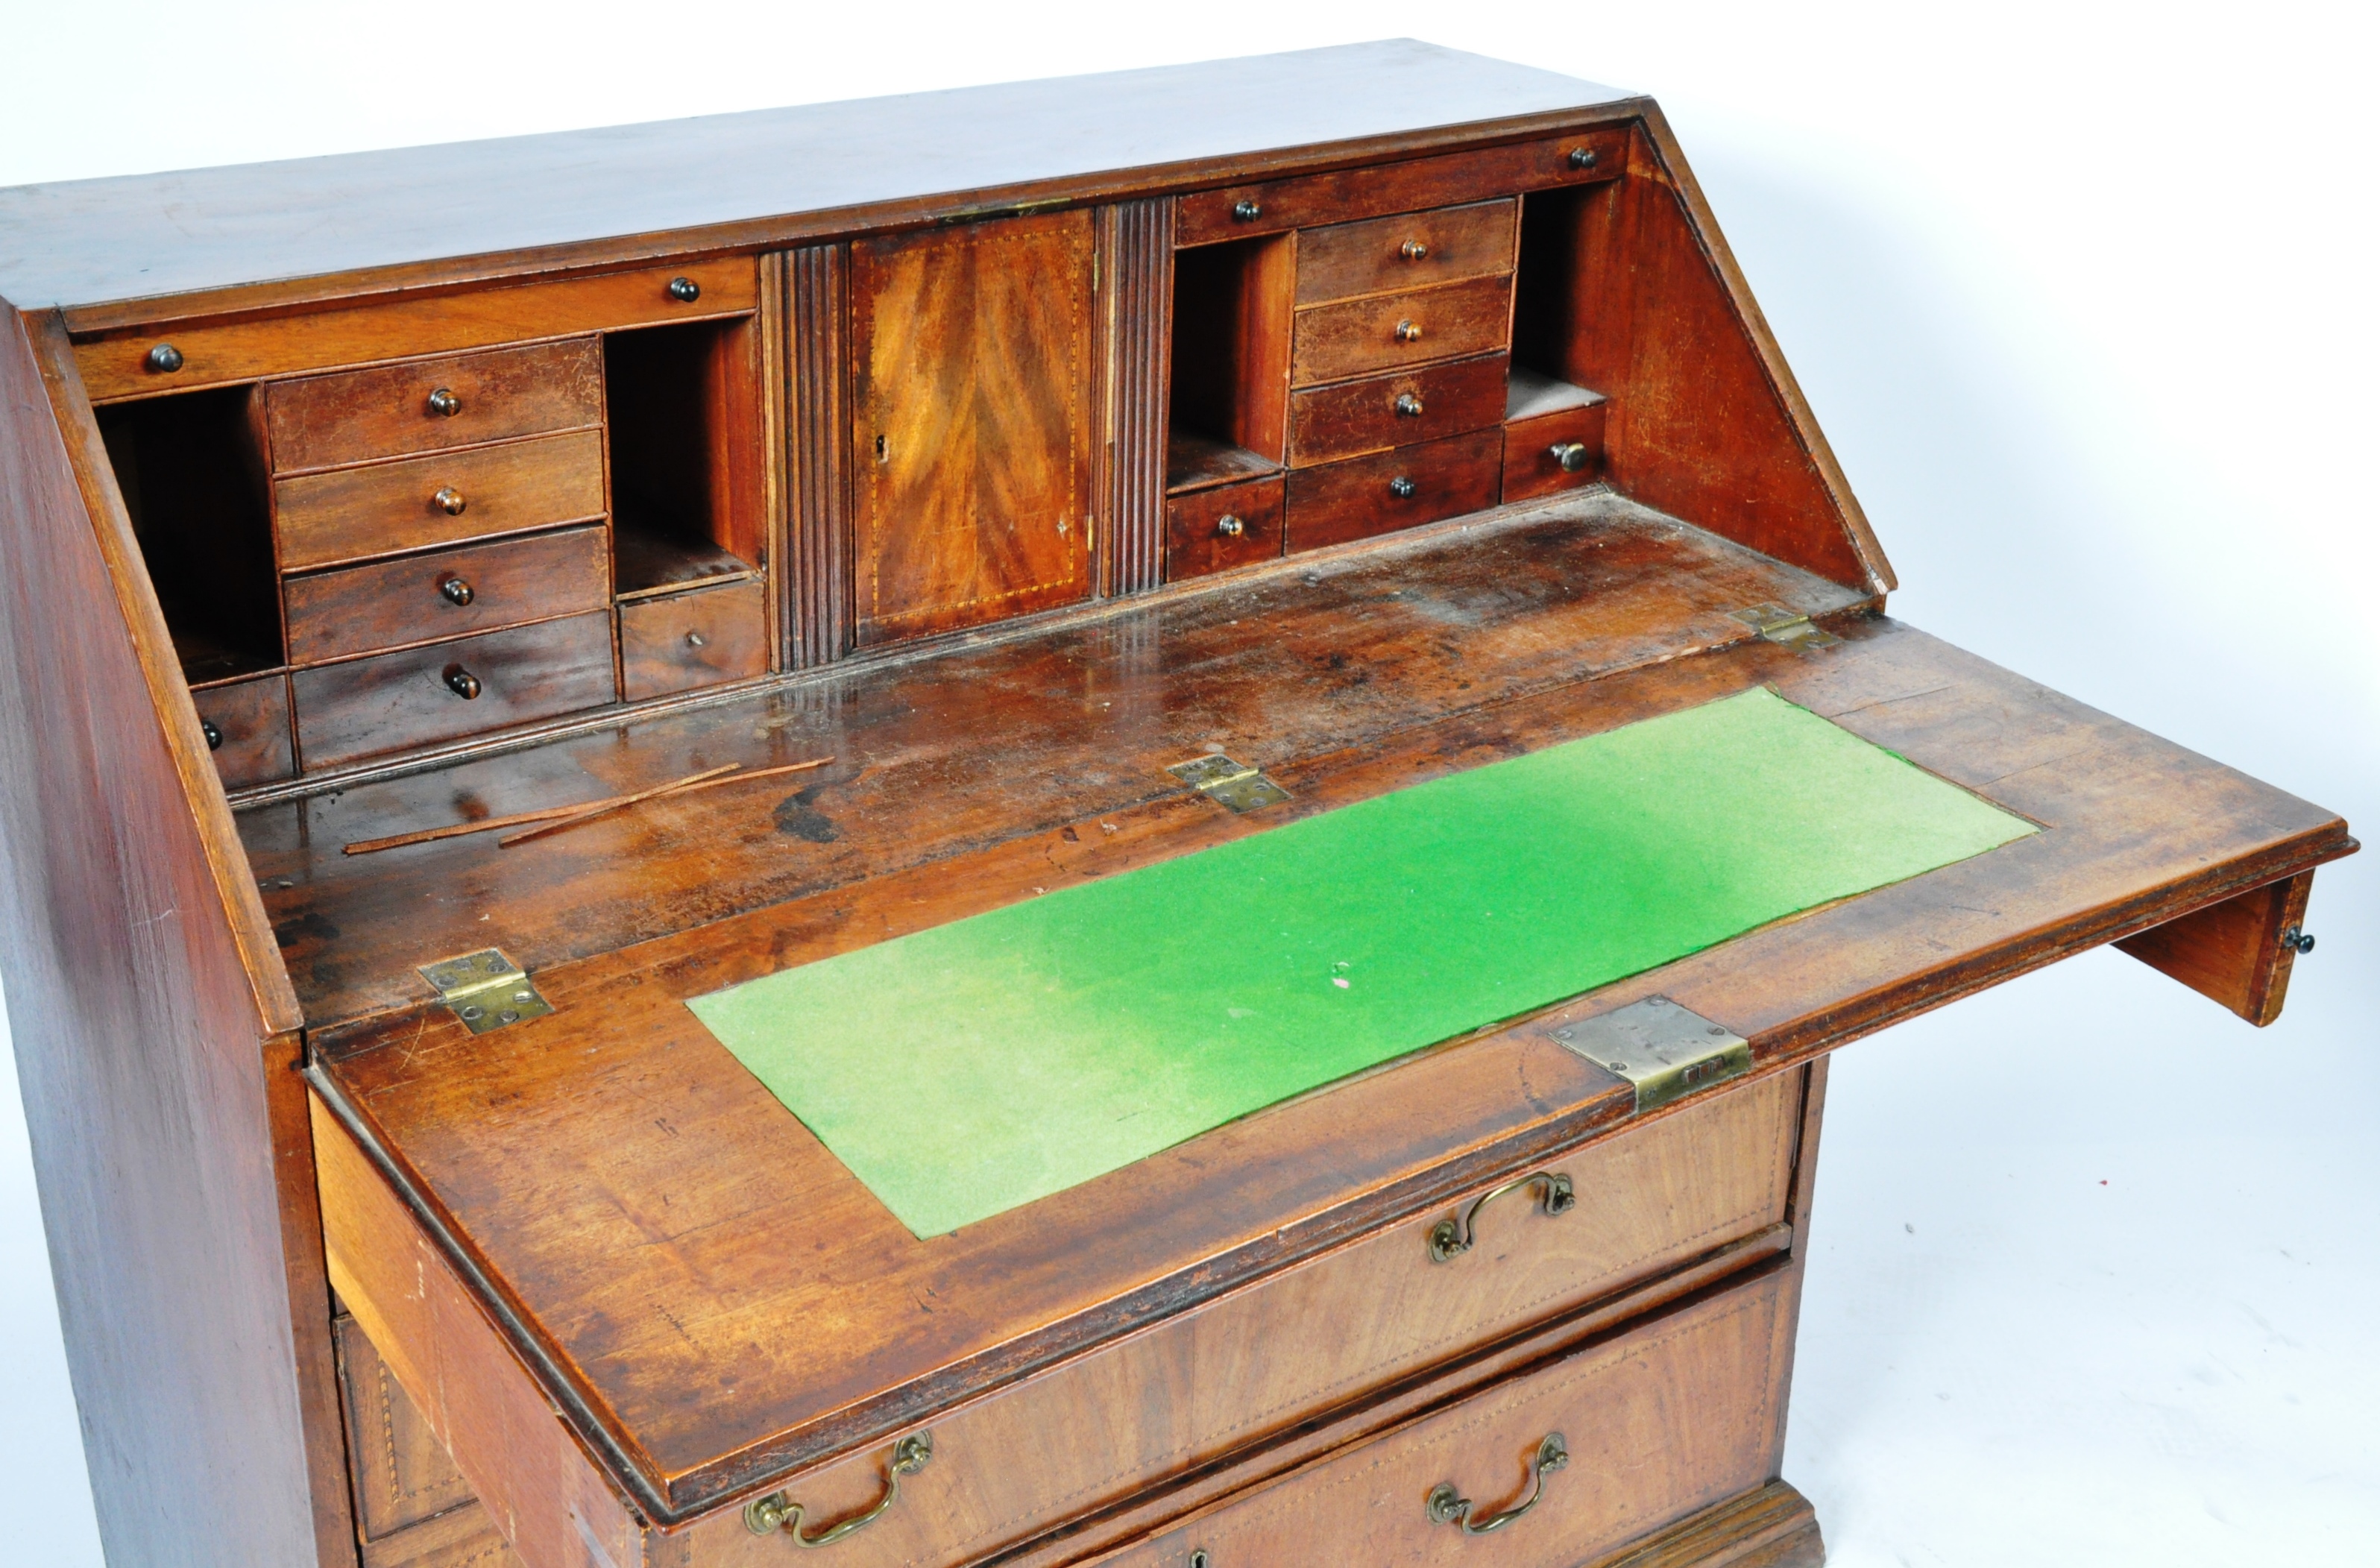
{"x": 445, "y": 404}
{"x": 163, "y": 360}
{"x": 1413, "y": 251}
{"x": 214, "y": 736}
{"x": 1573, "y": 455}
{"x": 1402, "y": 488}
{"x": 777, "y": 1512}
{"x": 1408, "y": 331}
{"x": 685, "y": 291}
{"x": 1408, "y": 406}
{"x": 450, "y": 501}
{"x": 1230, "y": 527}
{"x": 455, "y": 591}
{"x": 1584, "y": 158}
{"x": 1447, "y": 1506}
{"x": 1247, "y": 211}
{"x": 462, "y": 683}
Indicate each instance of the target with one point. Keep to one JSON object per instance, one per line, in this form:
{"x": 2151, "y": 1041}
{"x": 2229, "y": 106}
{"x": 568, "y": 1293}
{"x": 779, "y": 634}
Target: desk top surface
{"x": 144, "y": 236}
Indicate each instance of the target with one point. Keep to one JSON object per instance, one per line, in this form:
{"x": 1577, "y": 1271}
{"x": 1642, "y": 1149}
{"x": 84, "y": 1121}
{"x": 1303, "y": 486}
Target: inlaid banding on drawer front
{"x": 444, "y": 498}
{"x": 1652, "y": 1426}
{"x": 1389, "y": 490}
{"x": 431, "y": 405}
{"x": 1241, "y": 1367}
{"x": 446, "y": 690}
{"x": 444, "y": 594}
{"x": 1410, "y": 250}
{"x": 1361, "y": 338}
{"x": 1326, "y": 423}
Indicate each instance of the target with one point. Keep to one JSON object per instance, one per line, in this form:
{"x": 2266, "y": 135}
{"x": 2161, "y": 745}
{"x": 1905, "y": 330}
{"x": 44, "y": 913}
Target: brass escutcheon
{"x": 1447, "y": 1506}
{"x": 776, "y": 1512}
{"x": 1449, "y": 1239}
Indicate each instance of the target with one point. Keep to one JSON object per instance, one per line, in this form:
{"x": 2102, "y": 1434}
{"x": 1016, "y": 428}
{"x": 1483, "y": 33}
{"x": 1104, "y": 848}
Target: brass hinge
{"x": 1231, "y": 783}
{"x": 1666, "y": 1051}
{"x": 486, "y": 990}
{"x": 1781, "y": 625}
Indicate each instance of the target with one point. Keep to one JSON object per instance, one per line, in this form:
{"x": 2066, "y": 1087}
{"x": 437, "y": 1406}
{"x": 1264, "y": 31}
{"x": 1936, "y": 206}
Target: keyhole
{"x": 880, "y": 456}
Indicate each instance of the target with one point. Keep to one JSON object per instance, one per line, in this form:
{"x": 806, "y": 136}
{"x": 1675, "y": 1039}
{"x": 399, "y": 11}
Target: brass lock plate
{"x": 1232, "y": 785}
{"x": 486, "y": 990}
{"x": 1664, "y": 1050}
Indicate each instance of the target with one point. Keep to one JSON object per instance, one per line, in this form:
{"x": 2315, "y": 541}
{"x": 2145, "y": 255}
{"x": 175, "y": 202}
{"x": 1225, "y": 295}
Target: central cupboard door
{"x": 972, "y": 417}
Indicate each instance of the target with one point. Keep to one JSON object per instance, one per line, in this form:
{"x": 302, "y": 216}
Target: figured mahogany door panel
{"x": 247, "y": 729}
{"x": 1389, "y": 331}
{"x": 1389, "y": 490}
{"x": 1230, "y": 525}
{"x": 1582, "y": 1456}
{"x": 445, "y": 593}
{"x": 445, "y": 690}
{"x": 401, "y": 1471}
{"x": 443, "y": 498}
{"x": 1563, "y": 450}
{"x": 1411, "y": 250}
{"x": 686, "y": 640}
{"x": 1267, "y": 206}
{"x": 972, "y": 421}
{"x": 1326, "y": 423}
{"x": 428, "y": 404}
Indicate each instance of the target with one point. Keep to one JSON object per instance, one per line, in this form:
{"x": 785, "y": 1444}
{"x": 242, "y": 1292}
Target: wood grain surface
{"x": 686, "y": 640}
{"x": 1413, "y": 251}
{"x": 325, "y": 520}
{"x": 391, "y": 604}
{"x": 357, "y": 415}
{"x": 2233, "y": 951}
{"x": 155, "y": 1034}
{"x": 390, "y": 701}
{"x": 1403, "y": 408}
{"x": 972, "y": 424}
{"x": 1360, "y": 498}
{"x": 1196, "y": 541}
{"x": 252, "y": 717}
{"x": 1389, "y": 332}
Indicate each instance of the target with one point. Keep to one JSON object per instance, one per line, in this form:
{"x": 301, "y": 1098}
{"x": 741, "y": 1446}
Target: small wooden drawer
{"x": 1361, "y": 338}
{"x": 686, "y": 640}
{"x": 1394, "y": 489}
{"x": 1553, "y": 452}
{"x": 1603, "y": 1447}
{"x": 246, "y": 726}
{"x": 1326, "y": 423}
{"x": 429, "y": 405}
{"x": 401, "y": 1471}
{"x": 1268, "y": 206}
{"x": 445, "y": 593}
{"x": 415, "y": 503}
{"x": 1411, "y": 250}
{"x": 1230, "y": 525}
{"x": 418, "y": 697}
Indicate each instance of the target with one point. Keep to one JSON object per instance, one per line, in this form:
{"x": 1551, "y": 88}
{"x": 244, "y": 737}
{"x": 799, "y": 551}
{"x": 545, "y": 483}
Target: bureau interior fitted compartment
{"x": 1228, "y": 399}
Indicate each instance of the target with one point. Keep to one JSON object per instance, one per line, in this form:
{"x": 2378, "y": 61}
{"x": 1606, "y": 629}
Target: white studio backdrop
{"x": 2082, "y": 295}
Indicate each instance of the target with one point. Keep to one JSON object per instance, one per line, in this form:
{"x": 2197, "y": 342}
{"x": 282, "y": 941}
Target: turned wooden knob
{"x": 685, "y": 291}
{"x": 450, "y": 501}
{"x": 214, "y": 736}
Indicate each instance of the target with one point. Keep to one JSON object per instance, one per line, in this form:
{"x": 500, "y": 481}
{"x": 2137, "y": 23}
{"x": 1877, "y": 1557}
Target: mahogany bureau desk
{"x": 1084, "y": 475}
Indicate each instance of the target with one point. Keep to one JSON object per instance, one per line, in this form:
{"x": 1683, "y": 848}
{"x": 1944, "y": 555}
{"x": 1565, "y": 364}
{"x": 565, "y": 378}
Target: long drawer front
{"x": 1560, "y": 1465}
{"x": 1230, "y": 1376}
